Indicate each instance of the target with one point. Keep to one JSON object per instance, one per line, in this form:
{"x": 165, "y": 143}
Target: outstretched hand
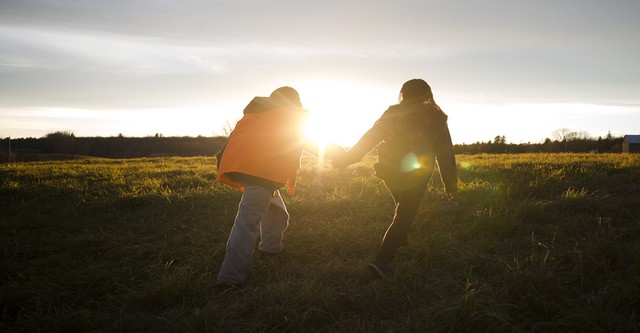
{"x": 338, "y": 156}
{"x": 340, "y": 163}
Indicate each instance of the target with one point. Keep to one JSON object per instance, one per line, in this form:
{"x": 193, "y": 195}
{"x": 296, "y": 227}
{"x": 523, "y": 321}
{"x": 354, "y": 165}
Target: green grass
{"x": 538, "y": 243}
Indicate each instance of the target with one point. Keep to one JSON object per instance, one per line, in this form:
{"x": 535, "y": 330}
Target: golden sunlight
{"x": 315, "y": 130}
{"x": 340, "y": 112}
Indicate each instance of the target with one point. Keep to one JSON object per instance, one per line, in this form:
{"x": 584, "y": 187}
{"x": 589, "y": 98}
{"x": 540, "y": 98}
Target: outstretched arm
{"x": 219, "y": 154}
{"x": 330, "y": 151}
{"x": 447, "y": 162}
{"x": 367, "y": 142}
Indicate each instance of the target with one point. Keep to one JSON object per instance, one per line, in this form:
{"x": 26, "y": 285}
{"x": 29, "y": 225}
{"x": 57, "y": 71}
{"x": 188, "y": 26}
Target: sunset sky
{"x": 521, "y": 69}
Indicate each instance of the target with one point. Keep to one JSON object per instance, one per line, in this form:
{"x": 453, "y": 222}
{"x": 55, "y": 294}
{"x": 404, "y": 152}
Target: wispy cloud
{"x": 78, "y": 50}
{"x": 138, "y": 54}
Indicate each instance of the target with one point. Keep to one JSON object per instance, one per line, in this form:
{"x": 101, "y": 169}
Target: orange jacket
{"x": 266, "y": 143}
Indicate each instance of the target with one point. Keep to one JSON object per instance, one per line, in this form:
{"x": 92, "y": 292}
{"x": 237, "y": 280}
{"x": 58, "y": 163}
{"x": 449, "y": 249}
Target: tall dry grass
{"x": 537, "y": 243}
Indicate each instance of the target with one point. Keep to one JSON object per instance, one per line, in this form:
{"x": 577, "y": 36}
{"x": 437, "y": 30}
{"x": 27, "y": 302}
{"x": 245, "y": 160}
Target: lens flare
{"x": 409, "y": 163}
{"x": 421, "y": 164}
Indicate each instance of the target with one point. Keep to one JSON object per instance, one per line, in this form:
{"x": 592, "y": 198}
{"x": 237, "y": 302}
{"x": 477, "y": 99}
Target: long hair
{"x": 416, "y": 91}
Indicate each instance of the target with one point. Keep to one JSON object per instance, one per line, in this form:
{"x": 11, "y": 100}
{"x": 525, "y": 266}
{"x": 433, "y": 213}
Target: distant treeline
{"x": 62, "y": 143}
{"x": 608, "y": 144}
{"x": 65, "y": 143}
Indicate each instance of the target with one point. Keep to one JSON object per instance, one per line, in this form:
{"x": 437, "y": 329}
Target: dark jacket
{"x": 410, "y": 138}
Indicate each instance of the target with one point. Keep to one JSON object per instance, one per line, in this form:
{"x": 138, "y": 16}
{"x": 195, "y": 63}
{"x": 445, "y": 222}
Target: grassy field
{"x": 538, "y": 243}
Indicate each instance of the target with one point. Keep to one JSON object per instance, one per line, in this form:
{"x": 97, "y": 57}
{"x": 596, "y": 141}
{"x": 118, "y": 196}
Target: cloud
{"x": 78, "y": 50}
{"x": 143, "y": 54}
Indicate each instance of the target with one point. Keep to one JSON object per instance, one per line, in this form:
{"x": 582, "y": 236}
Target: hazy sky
{"x": 497, "y": 67}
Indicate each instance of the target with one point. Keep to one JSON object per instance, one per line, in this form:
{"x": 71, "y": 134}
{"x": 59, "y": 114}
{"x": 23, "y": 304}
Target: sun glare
{"x": 315, "y": 129}
{"x": 341, "y": 112}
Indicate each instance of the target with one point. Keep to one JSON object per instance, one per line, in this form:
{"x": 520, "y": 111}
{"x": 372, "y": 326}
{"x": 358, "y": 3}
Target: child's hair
{"x": 415, "y": 90}
{"x": 288, "y": 94}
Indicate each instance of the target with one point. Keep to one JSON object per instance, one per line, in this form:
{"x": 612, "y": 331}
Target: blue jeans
{"x": 261, "y": 212}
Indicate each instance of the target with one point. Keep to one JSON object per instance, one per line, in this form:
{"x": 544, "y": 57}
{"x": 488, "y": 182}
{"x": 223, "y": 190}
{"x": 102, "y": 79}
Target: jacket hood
{"x": 422, "y": 113}
{"x": 262, "y": 104}
{"x": 437, "y": 113}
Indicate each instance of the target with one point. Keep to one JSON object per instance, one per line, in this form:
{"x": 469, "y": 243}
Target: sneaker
{"x": 380, "y": 269}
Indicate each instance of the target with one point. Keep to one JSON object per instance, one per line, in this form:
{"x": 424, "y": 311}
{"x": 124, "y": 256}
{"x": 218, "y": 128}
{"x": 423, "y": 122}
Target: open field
{"x": 538, "y": 243}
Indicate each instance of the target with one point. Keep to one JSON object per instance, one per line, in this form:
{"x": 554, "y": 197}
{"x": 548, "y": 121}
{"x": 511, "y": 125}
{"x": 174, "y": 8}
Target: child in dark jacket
{"x": 410, "y": 137}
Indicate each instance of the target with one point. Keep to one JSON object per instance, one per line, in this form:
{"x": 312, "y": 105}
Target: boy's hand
{"x": 338, "y": 156}
{"x": 340, "y": 164}
{"x": 339, "y": 159}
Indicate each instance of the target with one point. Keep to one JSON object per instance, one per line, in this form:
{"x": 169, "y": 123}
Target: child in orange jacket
{"x": 261, "y": 156}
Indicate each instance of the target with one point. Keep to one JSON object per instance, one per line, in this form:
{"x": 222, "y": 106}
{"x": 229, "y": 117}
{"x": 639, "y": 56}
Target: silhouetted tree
{"x": 60, "y": 143}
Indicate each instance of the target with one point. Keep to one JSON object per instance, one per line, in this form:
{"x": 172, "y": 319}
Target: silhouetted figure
{"x": 414, "y": 133}
{"x": 261, "y": 156}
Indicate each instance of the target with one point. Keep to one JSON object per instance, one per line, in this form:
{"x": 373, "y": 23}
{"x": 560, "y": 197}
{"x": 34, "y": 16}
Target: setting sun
{"x": 315, "y": 130}
{"x": 340, "y": 112}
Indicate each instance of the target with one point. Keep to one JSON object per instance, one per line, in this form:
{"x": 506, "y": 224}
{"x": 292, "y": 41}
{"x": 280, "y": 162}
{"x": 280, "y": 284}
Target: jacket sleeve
{"x": 219, "y": 154}
{"x": 447, "y": 161}
{"x": 367, "y": 142}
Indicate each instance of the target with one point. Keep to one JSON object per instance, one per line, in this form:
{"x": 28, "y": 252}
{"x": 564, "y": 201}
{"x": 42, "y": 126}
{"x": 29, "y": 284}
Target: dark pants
{"x": 407, "y": 203}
